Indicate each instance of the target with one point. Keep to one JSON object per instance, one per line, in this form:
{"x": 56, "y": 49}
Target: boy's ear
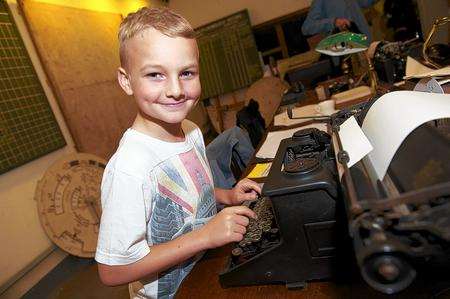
{"x": 124, "y": 81}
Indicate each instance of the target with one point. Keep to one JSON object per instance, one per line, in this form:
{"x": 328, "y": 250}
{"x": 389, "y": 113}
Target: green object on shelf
{"x": 343, "y": 43}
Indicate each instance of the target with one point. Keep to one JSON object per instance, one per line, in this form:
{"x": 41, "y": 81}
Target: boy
{"x": 158, "y": 198}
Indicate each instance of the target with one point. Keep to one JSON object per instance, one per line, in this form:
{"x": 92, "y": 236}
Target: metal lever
{"x": 437, "y": 23}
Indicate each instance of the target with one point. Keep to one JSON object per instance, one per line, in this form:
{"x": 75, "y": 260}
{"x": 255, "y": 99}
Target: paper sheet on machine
{"x": 353, "y": 140}
{"x": 393, "y": 116}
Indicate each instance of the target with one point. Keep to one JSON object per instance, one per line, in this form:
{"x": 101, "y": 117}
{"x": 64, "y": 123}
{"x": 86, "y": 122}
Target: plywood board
{"x": 98, "y": 116}
{"x": 79, "y": 51}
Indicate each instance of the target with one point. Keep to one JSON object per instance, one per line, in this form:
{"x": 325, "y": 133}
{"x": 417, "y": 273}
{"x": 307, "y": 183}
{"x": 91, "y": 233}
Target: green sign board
{"x": 228, "y": 56}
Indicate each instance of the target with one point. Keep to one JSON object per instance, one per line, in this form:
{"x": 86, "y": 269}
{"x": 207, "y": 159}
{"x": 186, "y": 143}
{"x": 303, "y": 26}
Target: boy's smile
{"x": 162, "y": 73}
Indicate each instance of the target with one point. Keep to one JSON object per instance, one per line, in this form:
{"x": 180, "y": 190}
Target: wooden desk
{"x": 203, "y": 281}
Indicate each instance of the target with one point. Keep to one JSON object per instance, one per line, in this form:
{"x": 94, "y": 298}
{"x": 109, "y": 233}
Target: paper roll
{"x": 394, "y": 116}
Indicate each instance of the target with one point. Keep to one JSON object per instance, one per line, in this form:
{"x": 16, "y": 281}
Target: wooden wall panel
{"x": 79, "y": 51}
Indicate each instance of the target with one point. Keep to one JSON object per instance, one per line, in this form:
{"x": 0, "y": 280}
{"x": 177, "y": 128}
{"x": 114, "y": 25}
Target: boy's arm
{"x": 244, "y": 190}
{"x": 227, "y": 226}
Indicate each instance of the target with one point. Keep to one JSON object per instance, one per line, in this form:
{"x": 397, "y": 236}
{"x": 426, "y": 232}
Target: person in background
{"x": 327, "y": 16}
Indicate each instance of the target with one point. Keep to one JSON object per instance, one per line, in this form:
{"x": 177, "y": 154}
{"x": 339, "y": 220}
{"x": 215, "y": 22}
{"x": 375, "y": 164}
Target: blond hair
{"x": 162, "y": 19}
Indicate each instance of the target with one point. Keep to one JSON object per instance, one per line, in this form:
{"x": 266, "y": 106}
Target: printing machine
{"x": 402, "y": 221}
{"x": 397, "y": 224}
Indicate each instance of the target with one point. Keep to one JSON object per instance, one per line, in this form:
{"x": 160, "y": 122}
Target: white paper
{"x": 393, "y": 116}
{"x": 282, "y": 119}
{"x": 270, "y": 146}
{"x": 353, "y": 140}
{"x": 414, "y": 69}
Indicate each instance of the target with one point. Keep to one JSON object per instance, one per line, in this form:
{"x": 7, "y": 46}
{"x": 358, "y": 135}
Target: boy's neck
{"x": 158, "y": 129}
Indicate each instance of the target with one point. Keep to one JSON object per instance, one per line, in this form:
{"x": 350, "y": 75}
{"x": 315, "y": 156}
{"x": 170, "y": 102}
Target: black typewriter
{"x": 293, "y": 239}
{"x": 400, "y": 225}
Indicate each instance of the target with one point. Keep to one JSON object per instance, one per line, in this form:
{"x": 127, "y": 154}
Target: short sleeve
{"x": 200, "y": 140}
{"x": 123, "y": 226}
{"x": 196, "y": 136}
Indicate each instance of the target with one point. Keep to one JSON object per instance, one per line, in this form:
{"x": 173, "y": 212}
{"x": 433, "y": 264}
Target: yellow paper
{"x": 260, "y": 170}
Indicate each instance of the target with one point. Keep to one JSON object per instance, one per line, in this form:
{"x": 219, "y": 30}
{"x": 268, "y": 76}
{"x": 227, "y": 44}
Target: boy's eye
{"x": 187, "y": 74}
{"x": 155, "y": 75}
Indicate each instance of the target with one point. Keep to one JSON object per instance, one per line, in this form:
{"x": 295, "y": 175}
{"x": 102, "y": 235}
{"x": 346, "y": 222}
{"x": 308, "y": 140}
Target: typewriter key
{"x": 256, "y": 238}
{"x": 236, "y": 251}
{"x": 274, "y": 230}
{"x": 256, "y": 235}
{"x": 244, "y": 243}
{"x": 266, "y": 228}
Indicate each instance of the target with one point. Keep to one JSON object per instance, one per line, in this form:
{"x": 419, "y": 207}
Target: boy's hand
{"x": 244, "y": 190}
{"x": 227, "y": 226}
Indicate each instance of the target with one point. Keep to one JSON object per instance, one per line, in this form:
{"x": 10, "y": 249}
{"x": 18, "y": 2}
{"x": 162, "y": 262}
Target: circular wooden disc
{"x": 68, "y": 202}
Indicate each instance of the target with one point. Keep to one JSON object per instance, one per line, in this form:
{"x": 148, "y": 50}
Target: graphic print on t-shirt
{"x": 185, "y": 199}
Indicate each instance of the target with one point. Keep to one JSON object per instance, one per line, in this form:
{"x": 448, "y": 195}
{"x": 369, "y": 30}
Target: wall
{"x": 114, "y": 6}
{"x": 23, "y": 240}
{"x": 198, "y": 114}
{"x": 200, "y": 12}
{"x": 429, "y": 13}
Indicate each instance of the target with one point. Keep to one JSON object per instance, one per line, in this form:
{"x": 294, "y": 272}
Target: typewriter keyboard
{"x": 262, "y": 233}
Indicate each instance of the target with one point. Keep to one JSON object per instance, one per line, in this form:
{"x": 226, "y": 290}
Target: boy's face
{"x": 162, "y": 73}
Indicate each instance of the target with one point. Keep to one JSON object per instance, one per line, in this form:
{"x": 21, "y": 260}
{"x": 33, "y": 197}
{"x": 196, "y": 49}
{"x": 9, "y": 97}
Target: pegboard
{"x": 28, "y": 128}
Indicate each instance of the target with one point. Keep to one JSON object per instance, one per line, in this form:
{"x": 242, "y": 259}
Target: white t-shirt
{"x": 152, "y": 192}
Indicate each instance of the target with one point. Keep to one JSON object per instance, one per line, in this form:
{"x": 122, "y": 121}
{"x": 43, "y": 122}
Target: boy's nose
{"x": 174, "y": 89}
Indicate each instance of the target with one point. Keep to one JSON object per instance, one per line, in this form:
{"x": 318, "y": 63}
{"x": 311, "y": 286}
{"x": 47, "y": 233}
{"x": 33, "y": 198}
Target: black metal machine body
{"x": 398, "y": 225}
{"x": 300, "y": 243}
{"x": 390, "y": 59}
{"x": 401, "y": 223}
